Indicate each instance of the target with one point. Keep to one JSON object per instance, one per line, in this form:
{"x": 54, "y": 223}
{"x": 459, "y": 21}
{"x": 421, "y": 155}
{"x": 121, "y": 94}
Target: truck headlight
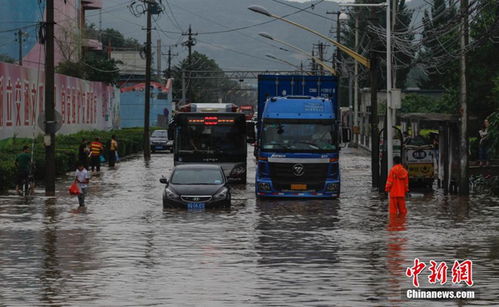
{"x": 222, "y": 194}
{"x": 263, "y": 186}
{"x": 171, "y": 194}
{"x": 332, "y": 187}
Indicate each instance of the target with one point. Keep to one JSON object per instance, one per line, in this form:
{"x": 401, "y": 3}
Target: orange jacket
{"x": 397, "y": 182}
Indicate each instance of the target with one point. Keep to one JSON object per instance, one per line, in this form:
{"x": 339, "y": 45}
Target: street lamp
{"x": 361, "y": 59}
{"x": 271, "y": 56}
{"x": 319, "y": 61}
{"x": 389, "y": 124}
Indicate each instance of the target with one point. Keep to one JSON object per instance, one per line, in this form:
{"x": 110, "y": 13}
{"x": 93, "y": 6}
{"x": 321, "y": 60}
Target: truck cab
{"x": 298, "y": 148}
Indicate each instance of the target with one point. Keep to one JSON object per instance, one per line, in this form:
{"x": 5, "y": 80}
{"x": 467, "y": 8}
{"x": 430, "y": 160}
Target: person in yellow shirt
{"x": 113, "y": 149}
{"x": 96, "y": 149}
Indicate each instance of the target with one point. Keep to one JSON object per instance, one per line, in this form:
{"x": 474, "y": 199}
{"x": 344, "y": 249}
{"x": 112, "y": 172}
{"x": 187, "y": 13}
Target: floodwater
{"x": 125, "y": 250}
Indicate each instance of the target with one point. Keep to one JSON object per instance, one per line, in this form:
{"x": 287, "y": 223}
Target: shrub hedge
{"x": 130, "y": 140}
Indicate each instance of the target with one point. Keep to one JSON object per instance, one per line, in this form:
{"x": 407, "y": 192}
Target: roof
{"x": 430, "y": 117}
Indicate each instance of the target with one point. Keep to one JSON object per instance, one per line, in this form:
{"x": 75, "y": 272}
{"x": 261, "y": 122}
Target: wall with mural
{"x": 82, "y": 104}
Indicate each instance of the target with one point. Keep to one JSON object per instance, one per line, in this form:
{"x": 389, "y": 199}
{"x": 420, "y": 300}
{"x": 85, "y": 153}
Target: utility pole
{"x": 170, "y": 56}
{"x": 373, "y": 76}
{"x": 320, "y": 48}
{"x": 374, "y": 120}
{"x": 183, "y": 87}
{"x": 49, "y": 138}
{"x": 356, "y": 85}
{"x": 463, "y": 144}
{"x": 20, "y": 39}
{"x": 189, "y": 43}
{"x": 338, "y": 54}
{"x": 147, "y": 148}
{"x": 158, "y": 58}
{"x": 314, "y": 65}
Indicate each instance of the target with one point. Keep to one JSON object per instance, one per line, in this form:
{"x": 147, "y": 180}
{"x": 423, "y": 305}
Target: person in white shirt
{"x": 82, "y": 178}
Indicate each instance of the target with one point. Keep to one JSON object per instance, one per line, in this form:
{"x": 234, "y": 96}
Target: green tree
{"x": 95, "y": 66}
{"x": 483, "y": 66}
{"x": 403, "y": 50}
{"x": 207, "y": 90}
{"x": 403, "y": 59}
{"x": 7, "y": 59}
{"x": 113, "y": 38}
{"x": 439, "y": 40}
{"x": 414, "y": 103}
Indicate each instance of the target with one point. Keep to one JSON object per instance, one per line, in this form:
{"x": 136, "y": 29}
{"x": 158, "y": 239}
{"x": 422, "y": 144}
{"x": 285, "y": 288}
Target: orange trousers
{"x": 397, "y": 206}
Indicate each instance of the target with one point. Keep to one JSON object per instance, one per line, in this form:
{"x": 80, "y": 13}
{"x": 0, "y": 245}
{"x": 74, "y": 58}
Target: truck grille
{"x": 285, "y": 174}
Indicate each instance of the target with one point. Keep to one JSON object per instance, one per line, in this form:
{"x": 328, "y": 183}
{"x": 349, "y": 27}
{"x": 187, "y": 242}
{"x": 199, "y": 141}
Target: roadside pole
{"x": 49, "y": 138}
{"x": 464, "y": 188}
{"x": 147, "y": 148}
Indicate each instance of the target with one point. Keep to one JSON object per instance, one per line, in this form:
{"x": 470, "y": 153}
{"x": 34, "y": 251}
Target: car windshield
{"x": 306, "y": 136}
{"x": 197, "y": 176}
{"x": 159, "y": 133}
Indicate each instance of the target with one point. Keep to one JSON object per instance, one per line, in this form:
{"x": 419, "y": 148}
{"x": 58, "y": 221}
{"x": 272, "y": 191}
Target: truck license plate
{"x": 298, "y": 187}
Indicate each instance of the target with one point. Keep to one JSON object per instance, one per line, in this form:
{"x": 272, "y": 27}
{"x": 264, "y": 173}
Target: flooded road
{"x": 125, "y": 250}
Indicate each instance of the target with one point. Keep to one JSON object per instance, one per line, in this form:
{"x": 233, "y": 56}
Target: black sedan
{"x": 196, "y": 186}
{"x": 159, "y": 141}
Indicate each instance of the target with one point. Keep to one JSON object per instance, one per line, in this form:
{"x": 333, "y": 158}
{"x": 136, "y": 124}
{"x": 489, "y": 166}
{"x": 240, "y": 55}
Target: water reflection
{"x": 296, "y": 253}
{"x": 395, "y": 257}
{"x": 50, "y": 274}
{"x": 125, "y": 250}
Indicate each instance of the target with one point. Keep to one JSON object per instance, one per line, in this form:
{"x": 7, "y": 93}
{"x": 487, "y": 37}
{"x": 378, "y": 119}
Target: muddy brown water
{"x": 125, "y": 250}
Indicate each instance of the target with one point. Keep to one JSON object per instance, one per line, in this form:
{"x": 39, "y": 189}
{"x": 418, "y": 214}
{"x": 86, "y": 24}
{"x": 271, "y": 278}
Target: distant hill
{"x": 243, "y": 49}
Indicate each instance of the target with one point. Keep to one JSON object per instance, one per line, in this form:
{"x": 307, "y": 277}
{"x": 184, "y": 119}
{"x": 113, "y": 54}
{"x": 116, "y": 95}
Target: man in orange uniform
{"x": 397, "y": 184}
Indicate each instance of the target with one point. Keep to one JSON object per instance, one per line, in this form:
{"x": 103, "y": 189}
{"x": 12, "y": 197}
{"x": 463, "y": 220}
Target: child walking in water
{"x": 82, "y": 177}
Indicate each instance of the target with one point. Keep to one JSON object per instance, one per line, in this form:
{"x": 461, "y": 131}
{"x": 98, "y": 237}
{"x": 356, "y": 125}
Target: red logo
{"x": 461, "y": 272}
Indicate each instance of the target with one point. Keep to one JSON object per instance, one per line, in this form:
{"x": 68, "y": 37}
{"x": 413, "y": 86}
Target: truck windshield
{"x": 227, "y": 140}
{"x": 299, "y": 135}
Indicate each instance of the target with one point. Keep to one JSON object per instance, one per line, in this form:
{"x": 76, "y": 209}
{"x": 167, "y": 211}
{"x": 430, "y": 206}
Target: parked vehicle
{"x": 196, "y": 186}
{"x": 247, "y": 110}
{"x": 159, "y": 141}
{"x": 421, "y": 159}
{"x": 298, "y": 137}
{"x": 211, "y": 134}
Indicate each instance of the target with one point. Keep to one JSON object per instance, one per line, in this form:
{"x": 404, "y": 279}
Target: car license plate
{"x": 195, "y": 205}
{"x": 158, "y": 147}
{"x": 298, "y": 187}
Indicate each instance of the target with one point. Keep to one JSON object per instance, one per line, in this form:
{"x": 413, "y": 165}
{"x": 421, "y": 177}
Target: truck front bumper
{"x": 264, "y": 188}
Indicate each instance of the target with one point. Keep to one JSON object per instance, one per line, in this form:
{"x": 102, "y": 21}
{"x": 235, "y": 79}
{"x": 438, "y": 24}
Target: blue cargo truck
{"x": 298, "y": 135}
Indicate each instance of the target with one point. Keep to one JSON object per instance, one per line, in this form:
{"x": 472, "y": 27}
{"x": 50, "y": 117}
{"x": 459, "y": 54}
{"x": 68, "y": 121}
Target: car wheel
{"x": 243, "y": 180}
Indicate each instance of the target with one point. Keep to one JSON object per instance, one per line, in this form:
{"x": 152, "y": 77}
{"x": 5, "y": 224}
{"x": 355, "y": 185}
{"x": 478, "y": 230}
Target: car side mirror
{"x": 163, "y": 180}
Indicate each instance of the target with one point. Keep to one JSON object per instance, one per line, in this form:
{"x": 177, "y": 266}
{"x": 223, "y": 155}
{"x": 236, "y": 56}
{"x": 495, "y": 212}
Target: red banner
{"x": 82, "y": 104}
